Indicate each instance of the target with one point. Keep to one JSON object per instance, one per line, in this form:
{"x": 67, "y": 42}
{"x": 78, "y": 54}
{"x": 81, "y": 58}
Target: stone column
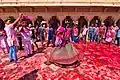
{"x": 89, "y": 19}
{"x": 115, "y": 22}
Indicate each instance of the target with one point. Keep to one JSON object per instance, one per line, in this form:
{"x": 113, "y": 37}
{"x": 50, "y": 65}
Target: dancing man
{"x": 26, "y": 38}
{"x": 65, "y": 54}
{"x": 11, "y": 38}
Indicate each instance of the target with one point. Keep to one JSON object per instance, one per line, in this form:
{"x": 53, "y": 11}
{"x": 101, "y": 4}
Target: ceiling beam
{"x": 105, "y": 9}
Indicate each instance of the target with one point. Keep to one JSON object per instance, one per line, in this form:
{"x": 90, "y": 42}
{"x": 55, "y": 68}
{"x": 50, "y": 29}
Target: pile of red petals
{"x": 100, "y": 62}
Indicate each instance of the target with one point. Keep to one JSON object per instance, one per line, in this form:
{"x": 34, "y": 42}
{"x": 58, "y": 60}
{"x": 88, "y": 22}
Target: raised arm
{"x": 18, "y": 19}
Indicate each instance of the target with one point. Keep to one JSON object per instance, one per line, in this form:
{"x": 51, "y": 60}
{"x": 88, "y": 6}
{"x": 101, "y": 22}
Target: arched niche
{"x": 2, "y": 24}
{"x": 38, "y": 20}
{"x": 118, "y": 22}
{"x": 81, "y": 22}
{"x": 67, "y": 20}
{"x": 96, "y": 20}
{"x": 109, "y": 21}
{"x": 53, "y": 21}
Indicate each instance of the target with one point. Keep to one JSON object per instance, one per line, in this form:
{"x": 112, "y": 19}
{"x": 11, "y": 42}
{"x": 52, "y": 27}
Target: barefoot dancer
{"x": 26, "y": 38}
{"x": 65, "y": 54}
{"x": 59, "y": 34}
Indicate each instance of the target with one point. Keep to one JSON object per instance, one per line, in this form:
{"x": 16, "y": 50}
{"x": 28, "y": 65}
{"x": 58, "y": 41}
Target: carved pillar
{"x": 89, "y": 19}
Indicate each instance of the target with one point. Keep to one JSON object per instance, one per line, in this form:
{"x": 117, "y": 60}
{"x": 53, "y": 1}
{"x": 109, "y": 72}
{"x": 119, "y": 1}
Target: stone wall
{"x": 60, "y": 0}
{"x": 62, "y": 15}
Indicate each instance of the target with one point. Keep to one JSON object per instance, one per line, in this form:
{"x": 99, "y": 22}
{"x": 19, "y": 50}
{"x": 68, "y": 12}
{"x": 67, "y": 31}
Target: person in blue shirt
{"x": 75, "y": 37}
{"x": 41, "y": 31}
{"x": 50, "y": 36}
{"x": 118, "y": 36}
{"x": 91, "y": 32}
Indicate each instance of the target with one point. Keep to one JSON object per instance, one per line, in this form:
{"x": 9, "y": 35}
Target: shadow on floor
{"x": 30, "y": 76}
{"x": 40, "y": 50}
{"x": 73, "y": 65}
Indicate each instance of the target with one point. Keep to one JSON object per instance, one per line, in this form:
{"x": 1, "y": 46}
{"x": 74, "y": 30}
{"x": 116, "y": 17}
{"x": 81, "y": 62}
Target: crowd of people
{"x": 102, "y": 34}
{"x": 58, "y": 37}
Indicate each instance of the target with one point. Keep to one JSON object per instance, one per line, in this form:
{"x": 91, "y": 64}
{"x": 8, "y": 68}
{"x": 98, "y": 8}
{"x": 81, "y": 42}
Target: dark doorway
{"x": 67, "y": 20}
{"x": 38, "y": 20}
{"x": 96, "y": 20}
{"x": 81, "y": 22}
{"x": 53, "y": 21}
{"x": 118, "y": 22}
{"x": 109, "y": 21}
{"x": 2, "y": 24}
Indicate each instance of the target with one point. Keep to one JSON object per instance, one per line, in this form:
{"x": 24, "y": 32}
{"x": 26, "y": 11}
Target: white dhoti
{"x": 109, "y": 39}
{"x": 27, "y": 46}
{"x": 3, "y": 43}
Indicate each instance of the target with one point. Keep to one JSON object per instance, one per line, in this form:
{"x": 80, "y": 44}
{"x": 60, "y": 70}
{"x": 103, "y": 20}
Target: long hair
{"x": 2, "y": 24}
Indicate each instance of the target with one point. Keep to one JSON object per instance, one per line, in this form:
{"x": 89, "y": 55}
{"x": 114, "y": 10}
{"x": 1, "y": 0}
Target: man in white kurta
{"x": 11, "y": 38}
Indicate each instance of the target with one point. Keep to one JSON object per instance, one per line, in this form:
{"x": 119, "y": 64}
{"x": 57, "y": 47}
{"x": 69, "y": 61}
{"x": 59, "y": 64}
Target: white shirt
{"x": 115, "y": 30}
{"x": 85, "y": 31}
{"x": 26, "y": 35}
{"x": 96, "y": 30}
{"x": 11, "y": 34}
{"x": 47, "y": 29}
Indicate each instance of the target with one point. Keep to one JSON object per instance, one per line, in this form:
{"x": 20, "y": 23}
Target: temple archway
{"x": 96, "y": 20}
{"x": 53, "y": 21}
{"x": 109, "y": 21}
{"x": 38, "y": 20}
{"x": 118, "y": 22}
{"x": 81, "y": 22}
{"x": 67, "y": 20}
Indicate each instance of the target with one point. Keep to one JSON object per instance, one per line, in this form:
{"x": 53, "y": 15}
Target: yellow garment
{"x": 87, "y": 38}
{"x": 11, "y": 42}
{"x": 8, "y": 22}
{"x": 80, "y": 35}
